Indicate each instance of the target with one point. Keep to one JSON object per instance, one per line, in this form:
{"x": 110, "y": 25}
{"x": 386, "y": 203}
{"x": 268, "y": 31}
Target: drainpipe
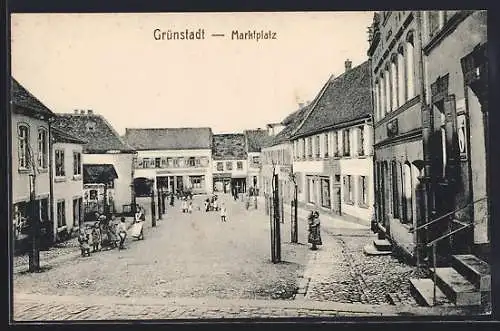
{"x": 51, "y": 183}
{"x": 427, "y": 127}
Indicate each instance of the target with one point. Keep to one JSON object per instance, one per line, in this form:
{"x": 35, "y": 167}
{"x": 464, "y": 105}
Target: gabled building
{"x": 67, "y": 183}
{"x": 230, "y": 162}
{"x": 104, "y": 146}
{"x": 176, "y": 159}
{"x": 255, "y": 141}
{"x": 333, "y": 147}
{"x": 30, "y": 132}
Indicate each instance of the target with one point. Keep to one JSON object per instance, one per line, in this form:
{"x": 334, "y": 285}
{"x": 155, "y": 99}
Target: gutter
{"x": 51, "y": 183}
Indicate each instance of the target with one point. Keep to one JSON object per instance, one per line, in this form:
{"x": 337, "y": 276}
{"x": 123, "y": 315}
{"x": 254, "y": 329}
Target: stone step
{"x": 370, "y": 249}
{"x": 474, "y": 270}
{"x": 382, "y": 244}
{"x": 422, "y": 289}
{"x": 458, "y": 289}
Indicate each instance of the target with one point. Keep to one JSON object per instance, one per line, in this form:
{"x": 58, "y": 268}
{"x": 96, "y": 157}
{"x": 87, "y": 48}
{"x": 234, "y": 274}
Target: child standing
{"x": 190, "y": 207}
{"x": 122, "y": 231}
{"x": 223, "y": 213}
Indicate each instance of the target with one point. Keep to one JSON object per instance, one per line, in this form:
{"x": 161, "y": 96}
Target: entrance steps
{"x": 466, "y": 283}
{"x": 378, "y": 247}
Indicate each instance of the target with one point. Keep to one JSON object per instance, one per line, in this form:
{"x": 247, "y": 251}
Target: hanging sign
{"x": 462, "y": 136}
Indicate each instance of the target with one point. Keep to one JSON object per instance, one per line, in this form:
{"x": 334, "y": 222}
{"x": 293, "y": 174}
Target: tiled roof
{"x": 169, "y": 138}
{"x": 291, "y": 122}
{"x": 256, "y": 139}
{"x": 344, "y": 99}
{"x": 230, "y": 146}
{"x": 64, "y": 137}
{"x": 24, "y": 99}
{"x": 98, "y": 173}
{"x": 99, "y": 134}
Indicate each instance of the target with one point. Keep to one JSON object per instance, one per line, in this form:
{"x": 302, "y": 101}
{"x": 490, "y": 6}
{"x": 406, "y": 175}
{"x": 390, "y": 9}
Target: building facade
{"x": 454, "y": 45}
{"x": 104, "y": 146}
{"x": 332, "y": 153}
{"x": 30, "y": 156}
{"x": 255, "y": 140}
{"x": 396, "y": 66}
{"x": 176, "y": 159}
{"x": 67, "y": 177}
{"x": 230, "y": 163}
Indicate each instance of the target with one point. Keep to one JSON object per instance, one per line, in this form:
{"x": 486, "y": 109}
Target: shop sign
{"x": 462, "y": 136}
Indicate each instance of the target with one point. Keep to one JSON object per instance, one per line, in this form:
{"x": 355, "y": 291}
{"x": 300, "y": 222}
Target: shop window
{"x": 59, "y": 163}
{"x": 197, "y": 181}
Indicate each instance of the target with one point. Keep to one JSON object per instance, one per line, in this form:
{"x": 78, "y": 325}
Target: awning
{"x": 98, "y": 173}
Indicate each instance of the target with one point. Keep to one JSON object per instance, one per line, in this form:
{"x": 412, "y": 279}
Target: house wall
{"x": 20, "y": 177}
{"x": 67, "y": 188}
{"x": 123, "y": 164}
{"x": 444, "y": 59}
{"x": 253, "y": 169}
{"x": 185, "y": 171}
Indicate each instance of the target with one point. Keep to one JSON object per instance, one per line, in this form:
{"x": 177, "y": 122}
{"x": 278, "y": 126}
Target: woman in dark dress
{"x": 314, "y": 230}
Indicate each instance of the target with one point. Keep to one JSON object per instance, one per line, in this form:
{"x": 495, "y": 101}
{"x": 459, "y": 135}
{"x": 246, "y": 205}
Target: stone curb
{"x": 212, "y": 302}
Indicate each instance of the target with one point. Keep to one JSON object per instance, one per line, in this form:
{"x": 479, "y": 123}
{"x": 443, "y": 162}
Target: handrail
{"x": 448, "y": 234}
{"x": 446, "y": 215}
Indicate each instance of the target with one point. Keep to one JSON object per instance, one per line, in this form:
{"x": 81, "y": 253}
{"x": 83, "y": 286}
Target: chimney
{"x": 90, "y": 111}
{"x": 348, "y": 65}
{"x": 76, "y": 111}
{"x": 301, "y": 104}
{"x": 82, "y": 112}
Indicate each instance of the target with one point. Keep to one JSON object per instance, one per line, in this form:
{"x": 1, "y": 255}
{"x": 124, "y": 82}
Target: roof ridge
{"x": 114, "y": 131}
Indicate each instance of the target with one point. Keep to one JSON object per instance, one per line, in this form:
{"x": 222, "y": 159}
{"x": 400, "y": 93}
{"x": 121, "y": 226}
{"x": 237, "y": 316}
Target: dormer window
{"x": 90, "y": 127}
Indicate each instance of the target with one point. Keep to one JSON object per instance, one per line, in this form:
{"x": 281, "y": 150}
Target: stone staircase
{"x": 378, "y": 247}
{"x": 466, "y": 283}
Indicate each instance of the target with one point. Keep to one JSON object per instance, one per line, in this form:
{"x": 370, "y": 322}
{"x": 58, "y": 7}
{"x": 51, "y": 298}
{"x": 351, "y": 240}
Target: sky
{"x": 112, "y": 64}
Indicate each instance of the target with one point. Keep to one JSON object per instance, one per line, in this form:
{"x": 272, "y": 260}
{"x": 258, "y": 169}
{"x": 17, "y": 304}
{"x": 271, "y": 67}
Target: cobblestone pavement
{"x": 51, "y": 308}
{"x": 186, "y": 255}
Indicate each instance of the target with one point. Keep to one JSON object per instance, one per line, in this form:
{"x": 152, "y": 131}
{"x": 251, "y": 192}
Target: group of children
{"x": 186, "y": 207}
{"x": 210, "y": 204}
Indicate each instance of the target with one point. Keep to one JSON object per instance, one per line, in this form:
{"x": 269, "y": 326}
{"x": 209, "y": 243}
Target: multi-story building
{"x": 255, "y": 140}
{"x": 230, "y": 162}
{"x": 333, "y": 147}
{"x": 277, "y": 159}
{"x": 30, "y": 162}
{"x": 104, "y": 146}
{"x": 454, "y": 45}
{"x": 176, "y": 159}
{"x": 396, "y": 65}
{"x": 67, "y": 197}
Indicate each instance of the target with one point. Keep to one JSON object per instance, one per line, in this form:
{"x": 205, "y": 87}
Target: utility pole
{"x": 294, "y": 219}
{"x": 153, "y": 212}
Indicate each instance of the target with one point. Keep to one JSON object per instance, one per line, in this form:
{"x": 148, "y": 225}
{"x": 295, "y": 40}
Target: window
{"x": 335, "y": 144}
{"x": 181, "y": 162}
{"x": 347, "y": 143}
{"x": 90, "y": 127}
{"x": 157, "y": 163}
{"x": 191, "y": 162}
{"x": 317, "y": 146}
{"x": 239, "y": 165}
{"x": 220, "y": 166}
{"x": 377, "y": 100}
{"x": 197, "y": 181}
{"x": 363, "y": 192}
{"x": 387, "y": 78}
{"x": 59, "y": 162}
{"x": 407, "y": 194}
{"x": 61, "y": 214}
{"x": 204, "y": 161}
{"x": 410, "y": 74}
{"x": 23, "y": 135}
{"x": 163, "y": 162}
{"x": 361, "y": 141}
{"x": 256, "y": 160}
{"x": 42, "y": 149}
{"x": 145, "y": 162}
{"x": 401, "y": 76}
{"x": 310, "y": 189}
{"x": 348, "y": 192}
{"x": 93, "y": 195}
{"x": 197, "y": 162}
{"x": 326, "y": 144}
{"x": 325, "y": 192}
{"x": 77, "y": 163}
{"x": 175, "y": 162}
{"x": 396, "y": 185}
{"x": 229, "y": 165}
{"x": 443, "y": 142}
{"x": 383, "y": 110}
{"x": 170, "y": 162}
{"x": 394, "y": 82}
{"x": 309, "y": 147}
{"x": 303, "y": 143}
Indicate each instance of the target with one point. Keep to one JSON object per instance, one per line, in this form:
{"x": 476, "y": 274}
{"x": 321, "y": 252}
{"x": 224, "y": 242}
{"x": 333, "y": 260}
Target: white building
{"x": 230, "y": 162}
{"x": 176, "y": 159}
{"x": 67, "y": 183}
{"x": 333, "y": 148}
{"x": 255, "y": 141}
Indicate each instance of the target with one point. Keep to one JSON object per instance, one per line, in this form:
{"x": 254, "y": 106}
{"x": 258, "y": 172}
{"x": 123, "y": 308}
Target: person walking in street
{"x": 207, "y": 204}
{"x": 223, "y": 213}
{"x": 314, "y": 230}
{"x": 190, "y": 207}
{"x": 122, "y": 232}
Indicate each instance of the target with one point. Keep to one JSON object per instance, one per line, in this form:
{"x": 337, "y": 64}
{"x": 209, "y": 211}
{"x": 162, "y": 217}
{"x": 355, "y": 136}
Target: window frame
{"x": 42, "y": 157}
{"x": 219, "y": 166}
{"x": 239, "y": 165}
{"x": 23, "y": 146}
{"x": 60, "y": 172}
{"x": 229, "y": 165}
{"x": 61, "y": 214}
{"x": 346, "y": 135}
{"x": 77, "y": 163}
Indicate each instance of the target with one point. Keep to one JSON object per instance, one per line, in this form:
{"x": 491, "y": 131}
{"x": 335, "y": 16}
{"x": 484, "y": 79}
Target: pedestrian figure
{"x": 223, "y": 213}
{"x": 83, "y": 240}
{"x": 172, "y": 199}
{"x": 122, "y": 232}
{"x": 314, "y": 230}
{"x": 190, "y": 207}
{"x": 215, "y": 205}
{"x": 96, "y": 237}
{"x": 207, "y": 204}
